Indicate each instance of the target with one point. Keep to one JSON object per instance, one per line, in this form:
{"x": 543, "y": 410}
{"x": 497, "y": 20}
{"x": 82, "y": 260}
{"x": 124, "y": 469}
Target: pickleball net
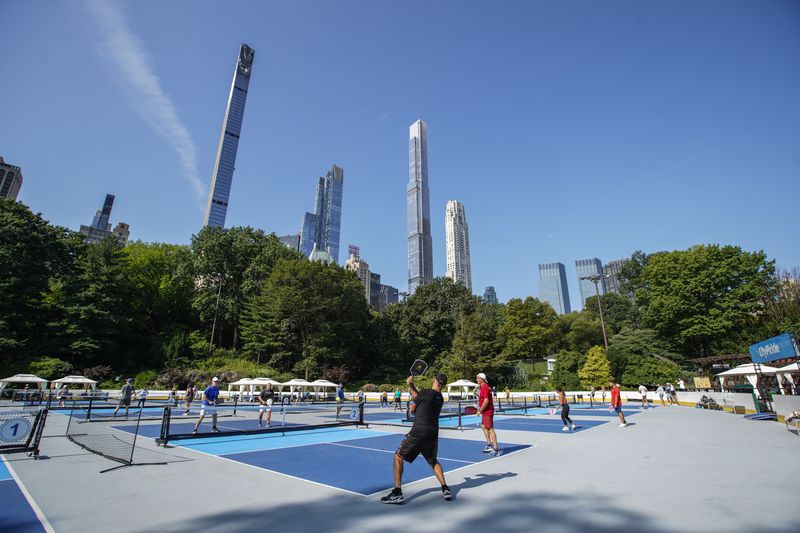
{"x": 284, "y": 418}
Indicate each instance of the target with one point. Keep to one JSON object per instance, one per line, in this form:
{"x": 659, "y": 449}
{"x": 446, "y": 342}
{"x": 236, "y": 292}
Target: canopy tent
{"x": 785, "y": 373}
{"x": 320, "y": 385}
{"x": 462, "y": 385}
{"x": 297, "y": 385}
{"x": 250, "y": 384}
{"x": 24, "y": 379}
{"x": 75, "y": 380}
{"x": 748, "y": 372}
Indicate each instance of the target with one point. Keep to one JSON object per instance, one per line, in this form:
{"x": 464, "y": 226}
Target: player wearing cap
{"x": 423, "y": 437}
{"x": 616, "y": 404}
{"x": 209, "y": 405}
{"x": 486, "y": 412}
{"x": 125, "y": 395}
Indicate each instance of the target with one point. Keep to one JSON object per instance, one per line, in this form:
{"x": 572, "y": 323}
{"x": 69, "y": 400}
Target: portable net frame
{"x": 21, "y": 430}
{"x": 117, "y": 443}
{"x": 284, "y": 418}
{"x": 106, "y": 410}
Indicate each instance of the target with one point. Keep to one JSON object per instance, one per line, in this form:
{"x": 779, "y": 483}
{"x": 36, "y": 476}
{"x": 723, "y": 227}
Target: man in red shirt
{"x": 616, "y": 404}
{"x": 486, "y": 412}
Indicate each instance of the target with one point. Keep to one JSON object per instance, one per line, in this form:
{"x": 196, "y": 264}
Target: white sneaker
{"x": 572, "y": 427}
{"x": 623, "y": 425}
{"x": 565, "y": 428}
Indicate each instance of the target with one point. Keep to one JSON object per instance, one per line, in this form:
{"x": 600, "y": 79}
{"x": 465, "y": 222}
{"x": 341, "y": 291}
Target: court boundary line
{"x": 389, "y": 451}
{"x": 459, "y": 468}
{"x": 24, "y": 490}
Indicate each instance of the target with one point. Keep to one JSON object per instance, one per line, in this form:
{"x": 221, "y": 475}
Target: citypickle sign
{"x": 780, "y": 347}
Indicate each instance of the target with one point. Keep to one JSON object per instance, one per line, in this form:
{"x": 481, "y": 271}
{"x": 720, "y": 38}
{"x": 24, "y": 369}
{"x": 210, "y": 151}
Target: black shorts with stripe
{"x": 420, "y": 442}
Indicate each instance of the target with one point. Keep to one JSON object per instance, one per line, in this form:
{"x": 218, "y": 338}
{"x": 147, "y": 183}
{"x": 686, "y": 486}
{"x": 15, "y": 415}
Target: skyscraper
{"x": 101, "y": 228}
{"x": 420, "y": 246}
{"x": 457, "y": 244}
{"x": 553, "y": 286}
{"x": 101, "y": 217}
{"x": 361, "y": 268}
{"x": 292, "y": 242}
{"x": 10, "y": 180}
{"x": 612, "y": 270}
{"x": 490, "y": 296}
{"x": 220, "y": 191}
{"x": 589, "y": 267}
{"x": 323, "y": 227}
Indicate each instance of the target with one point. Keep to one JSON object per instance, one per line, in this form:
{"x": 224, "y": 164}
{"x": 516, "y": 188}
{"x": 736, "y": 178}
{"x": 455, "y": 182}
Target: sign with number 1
{"x": 15, "y": 430}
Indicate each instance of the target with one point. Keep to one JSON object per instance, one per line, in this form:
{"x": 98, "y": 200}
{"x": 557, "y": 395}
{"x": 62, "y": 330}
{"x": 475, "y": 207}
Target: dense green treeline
{"x": 236, "y": 302}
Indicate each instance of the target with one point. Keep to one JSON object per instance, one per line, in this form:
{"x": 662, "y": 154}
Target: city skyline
{"x": 666, "y": 132}
{"x": 554, "y": 288}
{"x": 323, "y": 227}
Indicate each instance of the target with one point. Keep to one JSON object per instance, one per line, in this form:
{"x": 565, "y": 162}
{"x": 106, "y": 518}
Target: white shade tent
{"x": 23, "y": 379}
{"x": 320, "y": 385}
{"x": 75, "y": 380}
{"x": 785, "y": 373}
{"x": 297, "y": 384}
{"x": 463, "y": 386}
{"x": 747, "y": 371}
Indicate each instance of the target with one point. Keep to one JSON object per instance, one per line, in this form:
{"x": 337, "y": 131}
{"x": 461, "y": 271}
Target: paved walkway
{"x": 673, "y": 469}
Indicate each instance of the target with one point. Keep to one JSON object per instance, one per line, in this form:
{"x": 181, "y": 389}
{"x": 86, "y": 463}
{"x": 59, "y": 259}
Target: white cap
{"x": 215, "y": 379}
{"x": 483, "y": 377}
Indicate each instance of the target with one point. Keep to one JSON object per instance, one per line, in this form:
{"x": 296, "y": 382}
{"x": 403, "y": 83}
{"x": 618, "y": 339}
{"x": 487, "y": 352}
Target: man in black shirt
{"x": 423, "y": 437}
{"x": 265, "y": 400}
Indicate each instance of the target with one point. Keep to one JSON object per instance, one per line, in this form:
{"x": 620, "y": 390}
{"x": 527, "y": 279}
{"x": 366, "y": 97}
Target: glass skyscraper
{"x": 589, "y": 267}
{"x": 220, "y": 191}
{"x": 10, "y": 180}
{"x": 490, "y": 296}
{"x": 612, "y": 271}
{"x": 420, "y": 246}
{"x": 553, "y": 287}
{"x": 459, "y": 268}
{"x": 323, "y": 227}
{"x": 101, "y": 217}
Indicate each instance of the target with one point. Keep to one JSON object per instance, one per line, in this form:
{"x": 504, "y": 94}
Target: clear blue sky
{"x": 567, "y": 129}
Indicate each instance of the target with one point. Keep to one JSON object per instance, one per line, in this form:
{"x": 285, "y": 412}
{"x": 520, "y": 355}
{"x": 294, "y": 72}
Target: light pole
{"x": 596, "y": 279}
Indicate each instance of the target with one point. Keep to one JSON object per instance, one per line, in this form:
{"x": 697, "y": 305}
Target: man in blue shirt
{"x": 209, "y": 405}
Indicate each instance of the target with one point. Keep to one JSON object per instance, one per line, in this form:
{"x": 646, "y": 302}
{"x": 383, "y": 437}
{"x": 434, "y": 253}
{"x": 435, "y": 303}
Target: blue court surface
{"x": 16, "y": 513}
{"x": 353, "y": 460}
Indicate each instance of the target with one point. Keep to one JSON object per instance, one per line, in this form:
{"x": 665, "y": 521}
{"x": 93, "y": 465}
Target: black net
{"x": 226, "y": 419}
{"x": 21, "y": 429}
{"x": 111, "y": 440}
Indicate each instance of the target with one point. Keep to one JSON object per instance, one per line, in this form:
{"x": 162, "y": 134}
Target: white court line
{"x": 389, "y": 451}
{"x": 455, "y": 469}
{"x": 39, "y": 514}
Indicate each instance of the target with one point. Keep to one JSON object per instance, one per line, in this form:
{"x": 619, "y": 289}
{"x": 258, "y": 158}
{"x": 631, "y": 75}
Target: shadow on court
{"x": 468, "y": 483}
{"x": 513, "y": 512}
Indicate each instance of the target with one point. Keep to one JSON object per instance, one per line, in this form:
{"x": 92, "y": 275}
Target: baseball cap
{"x": 483, "y": 377}
{"x": 215, "y": 379}
{"x": 441, "y": 378}
{"x": 129, "y": 380}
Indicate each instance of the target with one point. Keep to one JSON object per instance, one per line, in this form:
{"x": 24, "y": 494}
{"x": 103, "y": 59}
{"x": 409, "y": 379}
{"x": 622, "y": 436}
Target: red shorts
{"x": 487, "y": 420}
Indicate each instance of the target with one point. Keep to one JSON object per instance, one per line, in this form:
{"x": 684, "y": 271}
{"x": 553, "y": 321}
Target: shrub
{"x": 369, "y": 387}
{"x": 50, "y": 368}
{"x": 98, "y": 373}
{"x": 386, "y": 388}
{"x": 145, "y": 379}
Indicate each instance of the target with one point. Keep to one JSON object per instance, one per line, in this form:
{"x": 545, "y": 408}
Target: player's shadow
{"x": 468, "y": 483}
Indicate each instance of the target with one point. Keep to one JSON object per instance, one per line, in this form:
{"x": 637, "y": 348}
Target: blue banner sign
{"x": 780, "y": 347}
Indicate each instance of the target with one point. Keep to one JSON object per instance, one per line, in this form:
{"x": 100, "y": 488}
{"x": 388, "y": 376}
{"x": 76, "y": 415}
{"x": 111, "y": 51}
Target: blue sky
{"x": 568, "y": 129}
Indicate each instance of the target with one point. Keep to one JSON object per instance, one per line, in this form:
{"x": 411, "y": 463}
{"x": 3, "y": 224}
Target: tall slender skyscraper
{"x": 612, "y": 270}
{"x": 553, "y": 286}
{"x": 323, "y": 227}
{"x": 420, "y": 246}
{"x": 589, "y": 267}
{"x": 220, "y": 191}
{"x": 10, "y": 180}
{"x": 100, "y": 220}
{"x": 459, "y": 268}
{"x": 490, "y": 296}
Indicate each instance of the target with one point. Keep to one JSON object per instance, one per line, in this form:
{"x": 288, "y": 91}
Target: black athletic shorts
{"x": 126, "y": 402}
{"x": 416, "y": 443}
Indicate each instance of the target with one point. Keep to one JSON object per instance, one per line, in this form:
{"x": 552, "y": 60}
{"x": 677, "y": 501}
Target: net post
{"x": 136, "y": 434}
{"x": 525, "y": 405}
{"x": 165, "y": 422}
{"x": 460, "y": 427}
{"x": 41, "y": 419}
{"x": 72, "y": 409}
{"x": 361, "y": 413}
{"x": 235, "y": 405}
{"x": 89, "y": 410}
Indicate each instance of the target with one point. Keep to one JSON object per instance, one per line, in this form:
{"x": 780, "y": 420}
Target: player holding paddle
{"x": 424, "y": 435}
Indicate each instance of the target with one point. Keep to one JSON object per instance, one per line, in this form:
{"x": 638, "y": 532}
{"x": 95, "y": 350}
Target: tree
{"x": 634, "y": 347}
{"x": 94, "y": 305}
{"x": 584, "y": 331}
{"x": 618, "y": 311}
{"x": 782, "y": 304}
{"x": 309, "y": 316}
{"x": 706, "y": 298}
{"x": 476, "y": 347}
{"x": 596, "y": 371}
{"x": 32, "y": 253}
{"x": 530, "y": 329}
{"x": 565, "y": 373}
{"x": 229, "y": 266}
{"x": 429, "y": 317}
{"x": 649, "y": 370}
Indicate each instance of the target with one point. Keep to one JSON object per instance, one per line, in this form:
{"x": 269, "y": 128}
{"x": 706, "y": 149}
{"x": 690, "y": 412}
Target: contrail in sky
{"x": 143, "y": 87}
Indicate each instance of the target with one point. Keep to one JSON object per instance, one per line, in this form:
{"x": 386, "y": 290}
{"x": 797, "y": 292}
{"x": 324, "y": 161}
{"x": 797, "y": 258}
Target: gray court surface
{"x": 672, "y": 469}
